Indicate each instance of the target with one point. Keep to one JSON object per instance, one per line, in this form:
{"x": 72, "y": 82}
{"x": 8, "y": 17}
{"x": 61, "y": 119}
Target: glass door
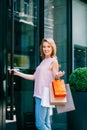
{"x": 23, "y": 55}
{"x": 21, "y": 32}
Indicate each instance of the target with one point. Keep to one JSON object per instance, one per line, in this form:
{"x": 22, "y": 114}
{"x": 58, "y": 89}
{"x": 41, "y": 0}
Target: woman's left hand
{"x": 59, "y": 74}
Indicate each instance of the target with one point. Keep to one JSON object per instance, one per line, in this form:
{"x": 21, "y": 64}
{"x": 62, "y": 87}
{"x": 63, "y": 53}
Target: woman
{"x": 43, "y": 76}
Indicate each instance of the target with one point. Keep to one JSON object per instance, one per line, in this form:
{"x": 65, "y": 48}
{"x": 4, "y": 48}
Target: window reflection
{"x": 23, "y": 10}
{"x": 24, "y": 29}
{"x": 48, "y": 18}
{"x": 79, "y": 14}
{"x": 79, "y": 57}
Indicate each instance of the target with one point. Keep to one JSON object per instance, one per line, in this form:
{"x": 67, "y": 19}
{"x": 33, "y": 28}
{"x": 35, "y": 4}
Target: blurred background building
{"x": 23, "y": 24}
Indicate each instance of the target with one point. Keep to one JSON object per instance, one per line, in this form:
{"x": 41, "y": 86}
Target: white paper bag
{"x": 45, "y": 97}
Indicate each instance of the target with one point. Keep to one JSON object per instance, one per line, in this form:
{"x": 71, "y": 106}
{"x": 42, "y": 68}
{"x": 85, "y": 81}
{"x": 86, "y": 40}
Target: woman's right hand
{"x": 22, "y": 75}
{"x": 59, "y": 74}
{"x": 13, "y": 71}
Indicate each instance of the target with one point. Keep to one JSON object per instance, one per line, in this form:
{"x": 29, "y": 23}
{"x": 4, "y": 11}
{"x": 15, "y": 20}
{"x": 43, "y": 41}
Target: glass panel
{"x": 79, "y": 57}
{"x": 23, "y": 35}
{"x": 49, "y": 18}
{"x": 79, "y": 24}
{"x": 55, "y": 27}
{"x": 25, "y": 20}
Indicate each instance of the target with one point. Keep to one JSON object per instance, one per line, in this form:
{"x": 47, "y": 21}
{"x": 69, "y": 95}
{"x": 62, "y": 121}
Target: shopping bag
{"x": 70, "y": 106}
{"x": 59, "y": 88}
{"x": 56, "y": 100}
{"x": 45, "y": 97}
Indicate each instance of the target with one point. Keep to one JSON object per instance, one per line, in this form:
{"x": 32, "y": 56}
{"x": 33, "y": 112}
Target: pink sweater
{"x": 43, "y": 76}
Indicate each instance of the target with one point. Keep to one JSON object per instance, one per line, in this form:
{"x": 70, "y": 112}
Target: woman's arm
{"x": 55, "y": 69}
{"x": 22, "y": 75}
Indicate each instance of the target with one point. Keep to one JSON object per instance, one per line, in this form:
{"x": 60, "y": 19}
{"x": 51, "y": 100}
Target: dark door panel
{"x": 3, "y": 41}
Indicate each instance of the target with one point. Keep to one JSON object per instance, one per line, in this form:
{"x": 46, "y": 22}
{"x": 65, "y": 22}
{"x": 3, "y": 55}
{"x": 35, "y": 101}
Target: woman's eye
{"x": 44, "y": 47}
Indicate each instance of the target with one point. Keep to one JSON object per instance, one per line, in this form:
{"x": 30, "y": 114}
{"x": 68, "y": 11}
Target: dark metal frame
{"x": 12, "y": 59}
{"x": 69, "y": 38}
{"x": 39, "y": 30}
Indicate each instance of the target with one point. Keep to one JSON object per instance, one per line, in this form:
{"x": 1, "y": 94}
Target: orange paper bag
{"x": 59, "y": 88}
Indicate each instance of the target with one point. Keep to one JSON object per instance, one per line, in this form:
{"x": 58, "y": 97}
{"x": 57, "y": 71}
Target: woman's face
{"x": 47, "y": 49}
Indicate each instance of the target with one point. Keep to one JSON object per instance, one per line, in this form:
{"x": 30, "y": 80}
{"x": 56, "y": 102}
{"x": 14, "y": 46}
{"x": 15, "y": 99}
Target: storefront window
{"x": 55, "y": 26}
{"x": 48, "y": 18}
{"x": 79, "y": 25}
{"x": 24, "y": 26}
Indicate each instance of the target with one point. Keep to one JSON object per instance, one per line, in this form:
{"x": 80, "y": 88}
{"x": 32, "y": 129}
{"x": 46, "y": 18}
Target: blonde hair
{"x": 52, "y": 44}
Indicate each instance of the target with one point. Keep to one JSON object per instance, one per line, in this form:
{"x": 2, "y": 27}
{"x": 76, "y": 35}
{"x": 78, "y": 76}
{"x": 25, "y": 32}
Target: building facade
{"x": 23, "y": 24}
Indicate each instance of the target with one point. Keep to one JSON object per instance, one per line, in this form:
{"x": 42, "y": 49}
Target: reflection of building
{"x": 79, "y": 15}
{"x": 64, "y": 21}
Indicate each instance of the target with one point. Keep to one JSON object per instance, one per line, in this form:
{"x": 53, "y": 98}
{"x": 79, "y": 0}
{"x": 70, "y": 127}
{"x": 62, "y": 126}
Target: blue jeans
{"x": 42, "y": 116}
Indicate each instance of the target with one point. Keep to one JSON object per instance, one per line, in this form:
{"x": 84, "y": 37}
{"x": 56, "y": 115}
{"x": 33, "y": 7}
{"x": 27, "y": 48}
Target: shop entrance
{"x": 19, "y": 49}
